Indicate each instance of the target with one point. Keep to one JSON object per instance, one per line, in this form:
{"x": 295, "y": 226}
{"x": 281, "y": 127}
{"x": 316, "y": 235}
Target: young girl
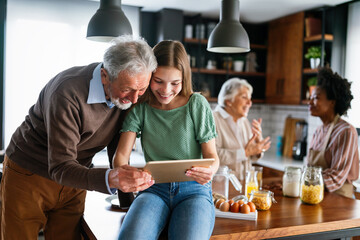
{"x": 173, "y": 123}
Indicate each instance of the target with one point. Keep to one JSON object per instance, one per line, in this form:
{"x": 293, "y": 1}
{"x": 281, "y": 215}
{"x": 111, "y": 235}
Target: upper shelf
{"x": 310, "y": 70}
{"x": 205, "y": 41}
{"x": 214, "y": 100}
{"x": 327, "y": 37}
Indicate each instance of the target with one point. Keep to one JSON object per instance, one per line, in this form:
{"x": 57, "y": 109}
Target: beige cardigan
{"x": 230, "y": 149}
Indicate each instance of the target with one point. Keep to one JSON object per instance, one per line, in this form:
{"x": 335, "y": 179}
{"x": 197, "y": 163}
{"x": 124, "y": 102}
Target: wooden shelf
{"x": 310, "y": 71}
{"x": 305, "y": 102}
{"x": 214, "y": 100}
{"x": 224, "y": 72}
{"x": 258, "y": 46}
{"x": 327, "y": 37}
{"x": 195, "y": 40}
{"x": 205, "y": 41}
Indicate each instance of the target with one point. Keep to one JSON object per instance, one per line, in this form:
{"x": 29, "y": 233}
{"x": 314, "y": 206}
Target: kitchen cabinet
{"x": 284, "y": 60}
{"x": 211, "y": 70}
{"x": 287, "y": 69}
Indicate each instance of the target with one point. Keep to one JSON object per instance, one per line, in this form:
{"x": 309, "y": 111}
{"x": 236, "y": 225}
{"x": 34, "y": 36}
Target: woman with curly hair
{"x": 334, "y": 145}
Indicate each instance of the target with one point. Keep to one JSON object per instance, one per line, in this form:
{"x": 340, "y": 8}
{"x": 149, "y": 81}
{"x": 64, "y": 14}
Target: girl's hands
{"x": 201, "y": 175}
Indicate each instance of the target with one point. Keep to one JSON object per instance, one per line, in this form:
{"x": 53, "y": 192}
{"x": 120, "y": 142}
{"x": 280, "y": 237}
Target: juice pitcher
{"x": 251, "y": 182}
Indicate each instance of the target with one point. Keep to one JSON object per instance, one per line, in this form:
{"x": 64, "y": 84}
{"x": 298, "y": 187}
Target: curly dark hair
{"x": 336, "y": 88}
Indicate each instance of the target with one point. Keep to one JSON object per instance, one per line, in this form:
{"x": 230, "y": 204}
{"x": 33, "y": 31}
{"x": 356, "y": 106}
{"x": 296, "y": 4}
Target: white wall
{"x": 352, "y": 70}
{"x": 43, "y": 38}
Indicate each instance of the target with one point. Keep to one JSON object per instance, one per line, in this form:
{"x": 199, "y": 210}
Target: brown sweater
{"x": 62, "y": 133}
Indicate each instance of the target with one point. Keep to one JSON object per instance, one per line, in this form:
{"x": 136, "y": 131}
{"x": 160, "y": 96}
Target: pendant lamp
{"x": 108, "y": 22}
{"x": 229, "y": 36}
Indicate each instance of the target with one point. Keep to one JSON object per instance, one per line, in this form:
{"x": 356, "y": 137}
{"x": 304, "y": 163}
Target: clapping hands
{"x": 257, "y": 144}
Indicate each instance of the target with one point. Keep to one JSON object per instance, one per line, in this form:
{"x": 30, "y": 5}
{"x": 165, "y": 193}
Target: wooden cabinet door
{"x": 284, "y": 60}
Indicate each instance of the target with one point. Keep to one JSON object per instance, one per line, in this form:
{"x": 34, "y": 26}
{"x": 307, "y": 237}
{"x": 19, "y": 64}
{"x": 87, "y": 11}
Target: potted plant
{"x": 311, "y": 82}
{"x": 314, "y": 54}
{"x": 238, "y": 64}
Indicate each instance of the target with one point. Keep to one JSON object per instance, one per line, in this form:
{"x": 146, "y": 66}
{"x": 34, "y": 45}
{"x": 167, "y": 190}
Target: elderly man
{"x": 77, "y": 114}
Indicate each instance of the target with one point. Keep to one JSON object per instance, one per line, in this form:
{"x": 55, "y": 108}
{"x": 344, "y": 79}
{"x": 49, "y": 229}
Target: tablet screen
{"x": 174, "y": 170}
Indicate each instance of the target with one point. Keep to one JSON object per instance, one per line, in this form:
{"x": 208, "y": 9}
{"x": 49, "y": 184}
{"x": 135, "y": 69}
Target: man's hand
{"x": 129, "y": 179}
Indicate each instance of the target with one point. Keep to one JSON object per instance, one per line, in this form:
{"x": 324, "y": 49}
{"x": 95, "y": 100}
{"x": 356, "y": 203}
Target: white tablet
{"x": 174, "y": 170}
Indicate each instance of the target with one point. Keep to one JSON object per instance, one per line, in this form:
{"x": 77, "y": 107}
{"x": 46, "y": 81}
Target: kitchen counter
{"x": 334, "y": 217}
{"x": 279, "y": 163}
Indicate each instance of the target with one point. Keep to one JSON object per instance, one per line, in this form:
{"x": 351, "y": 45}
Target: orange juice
{"x": 249, "y": 187}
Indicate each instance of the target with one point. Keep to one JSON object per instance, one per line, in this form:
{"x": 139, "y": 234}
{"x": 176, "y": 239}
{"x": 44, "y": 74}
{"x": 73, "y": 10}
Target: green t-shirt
{"x": 172, "y": 134}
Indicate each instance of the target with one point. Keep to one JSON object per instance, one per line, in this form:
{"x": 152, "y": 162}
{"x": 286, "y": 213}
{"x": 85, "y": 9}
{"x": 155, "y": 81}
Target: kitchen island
{"x": 335, "y": 217}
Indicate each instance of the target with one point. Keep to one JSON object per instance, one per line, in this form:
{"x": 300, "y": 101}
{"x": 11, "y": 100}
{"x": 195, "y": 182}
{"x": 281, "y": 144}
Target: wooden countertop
{"x": 287, "y": 217}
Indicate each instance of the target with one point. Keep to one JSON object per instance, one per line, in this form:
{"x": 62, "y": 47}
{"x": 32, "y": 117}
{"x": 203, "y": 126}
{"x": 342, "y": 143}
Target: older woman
{"x": 334, "y": 145}
{"x": 238, "y": 142}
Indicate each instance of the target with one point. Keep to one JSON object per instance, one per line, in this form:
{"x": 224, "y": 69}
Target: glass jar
{"x": 291, "y": 182}
{"x": 251, "y": 182}
{"x": 220, "y": 182}
{"x": 227, "y": 63}
{"x": 312, "y": 185}
{"x": 262, "y": 199}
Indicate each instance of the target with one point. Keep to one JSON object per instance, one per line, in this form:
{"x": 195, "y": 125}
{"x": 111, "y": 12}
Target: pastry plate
{"x": 250, "y": 216}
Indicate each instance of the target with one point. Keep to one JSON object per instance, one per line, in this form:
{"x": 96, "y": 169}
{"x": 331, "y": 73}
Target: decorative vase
{"x": 314, "y": 63}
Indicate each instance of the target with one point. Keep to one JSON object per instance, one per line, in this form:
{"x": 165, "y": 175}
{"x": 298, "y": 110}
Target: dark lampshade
{"x": 108, "y": 22}
{"x": 229, "y": 36}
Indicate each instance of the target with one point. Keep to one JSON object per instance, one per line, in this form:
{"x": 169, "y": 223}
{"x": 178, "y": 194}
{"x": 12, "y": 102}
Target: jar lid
{"x": 240, "y": 197}
{"x": 263, "y": 193}
{"x": 292, "y": 168}
{"x": 314, "y": 168}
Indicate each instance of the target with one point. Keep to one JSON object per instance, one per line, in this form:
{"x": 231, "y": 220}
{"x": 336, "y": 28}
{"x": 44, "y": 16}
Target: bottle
{"x": 251, "y": 182}
{"x": 279, "y": 146}
{"x": 220, "y": 182}
{"x": 312, "y": 186}
{"x": 291, "y": 182}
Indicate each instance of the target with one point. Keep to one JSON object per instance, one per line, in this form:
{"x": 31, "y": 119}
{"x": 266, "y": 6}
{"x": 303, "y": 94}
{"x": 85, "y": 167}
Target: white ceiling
{"x": 251, "y": 11}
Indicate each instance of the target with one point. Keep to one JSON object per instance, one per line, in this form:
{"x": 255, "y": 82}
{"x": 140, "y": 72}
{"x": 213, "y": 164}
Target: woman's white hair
{"x": 230, "y": 89}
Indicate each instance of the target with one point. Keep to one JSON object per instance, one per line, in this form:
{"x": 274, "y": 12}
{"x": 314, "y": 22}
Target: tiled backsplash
{"x": 274, "y": 116}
